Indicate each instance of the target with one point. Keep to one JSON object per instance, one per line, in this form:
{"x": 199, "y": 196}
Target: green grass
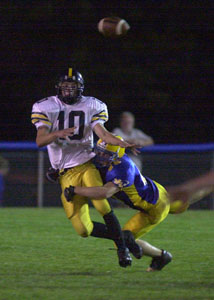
{"x": 41, "y": 257}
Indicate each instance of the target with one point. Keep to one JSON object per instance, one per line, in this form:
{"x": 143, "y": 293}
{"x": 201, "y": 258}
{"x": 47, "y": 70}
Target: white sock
{"x": 148, "y": 249}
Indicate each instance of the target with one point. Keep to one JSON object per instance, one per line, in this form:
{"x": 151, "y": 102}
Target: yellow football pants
{"x": 143, "y": 222}
{"x": 77, "y": 211}
{"x": 178, "y": 207}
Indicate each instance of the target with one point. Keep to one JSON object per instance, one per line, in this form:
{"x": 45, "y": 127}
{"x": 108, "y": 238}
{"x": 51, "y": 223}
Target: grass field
{"x": 43, "y": 258}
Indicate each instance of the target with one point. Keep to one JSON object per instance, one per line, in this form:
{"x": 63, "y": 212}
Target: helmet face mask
{"x": 103, "y": 157}
{"x": 70, "y": 87}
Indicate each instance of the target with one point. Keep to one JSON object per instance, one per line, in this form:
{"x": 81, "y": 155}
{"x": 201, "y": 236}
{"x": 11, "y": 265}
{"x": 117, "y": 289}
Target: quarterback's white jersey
{"x": 56, "y": 115}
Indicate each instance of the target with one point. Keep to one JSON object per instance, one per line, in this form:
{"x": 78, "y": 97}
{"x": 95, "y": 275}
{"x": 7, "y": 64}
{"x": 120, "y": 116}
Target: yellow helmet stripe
{"x": 70, "y": 71}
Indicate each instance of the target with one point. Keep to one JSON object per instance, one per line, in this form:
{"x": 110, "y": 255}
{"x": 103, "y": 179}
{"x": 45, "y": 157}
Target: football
{"x": 113, "y": 27}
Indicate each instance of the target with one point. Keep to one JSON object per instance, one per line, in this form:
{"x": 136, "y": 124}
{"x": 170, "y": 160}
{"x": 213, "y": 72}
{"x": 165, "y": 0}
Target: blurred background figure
{"x": 132, "y": 135}
{"x": 4, "y": 168}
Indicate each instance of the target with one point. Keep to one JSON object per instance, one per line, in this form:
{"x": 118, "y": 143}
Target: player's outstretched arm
{"x": 96, "y": 192}
{"x": 44, "y": 137}
{"x": 184, "y": 191}
{"x": 109, "y": 138}
{"x": 143, "y": 141}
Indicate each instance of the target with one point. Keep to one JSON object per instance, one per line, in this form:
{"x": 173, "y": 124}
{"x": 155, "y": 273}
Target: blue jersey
{"x": 134, "y": 187}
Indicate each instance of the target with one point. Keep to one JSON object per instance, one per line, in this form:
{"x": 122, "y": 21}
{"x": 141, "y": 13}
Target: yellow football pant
{"x": 77, "y": 211}
{"x": 143, "y": 222}
{"x": 178, "y": 207}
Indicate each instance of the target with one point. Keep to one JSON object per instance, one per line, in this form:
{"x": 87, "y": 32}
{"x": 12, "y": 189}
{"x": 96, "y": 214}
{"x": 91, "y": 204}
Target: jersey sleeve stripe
{"x": 36, "y": 120}
{"x": 103, "y": 112}
{"x": 39, "y": 113}
{"x": 99, "y": 118}
{"x": 38, "y": 116}
{"x": 42, "y": 119}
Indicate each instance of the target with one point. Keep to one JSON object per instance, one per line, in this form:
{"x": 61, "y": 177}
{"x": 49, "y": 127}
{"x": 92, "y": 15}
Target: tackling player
{"x": 123, "y": 180}
{"x": 65, "y": 123}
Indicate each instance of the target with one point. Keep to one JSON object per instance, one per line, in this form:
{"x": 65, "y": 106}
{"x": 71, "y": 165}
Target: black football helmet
{"x": 67, "y": 92}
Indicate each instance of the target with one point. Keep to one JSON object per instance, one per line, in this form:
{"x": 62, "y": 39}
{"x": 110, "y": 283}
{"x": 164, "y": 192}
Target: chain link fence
{"x": 24, "y": 183}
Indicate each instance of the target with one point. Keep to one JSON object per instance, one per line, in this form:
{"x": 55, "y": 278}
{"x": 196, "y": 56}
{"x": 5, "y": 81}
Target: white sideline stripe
{"x": 120, "y": 25}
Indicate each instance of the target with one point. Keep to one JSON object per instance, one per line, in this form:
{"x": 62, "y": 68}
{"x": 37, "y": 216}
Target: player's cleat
{"x": 125, "y": 259}
{"x": 130, "y": 242}
{"x": 69, "y": 193}
{"x": 158, "y": 263}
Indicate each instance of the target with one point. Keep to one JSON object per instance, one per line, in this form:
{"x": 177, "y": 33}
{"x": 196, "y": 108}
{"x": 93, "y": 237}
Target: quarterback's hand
{"x": 65, "y": 132}
{"x": 133, "y": 147}
{"x": 124, "y": 144}
{"x": 134, "y": 150}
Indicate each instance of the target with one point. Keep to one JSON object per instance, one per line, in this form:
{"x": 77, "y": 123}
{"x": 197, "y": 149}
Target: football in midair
{"x": 113, "y": 27}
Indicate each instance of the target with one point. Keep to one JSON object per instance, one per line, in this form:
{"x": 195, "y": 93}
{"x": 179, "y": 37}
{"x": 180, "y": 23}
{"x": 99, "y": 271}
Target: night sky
{"x": 162, "y": 70}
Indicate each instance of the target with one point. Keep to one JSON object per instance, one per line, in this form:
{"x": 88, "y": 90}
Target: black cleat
{"x": 125, "y": 259}
{"x": 130, "y": 242}
{"x": 158, "y": 263}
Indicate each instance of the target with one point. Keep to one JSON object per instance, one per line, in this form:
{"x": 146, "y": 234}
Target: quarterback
{"x": 65, "y": 124}
{"x": 124, "y": 181}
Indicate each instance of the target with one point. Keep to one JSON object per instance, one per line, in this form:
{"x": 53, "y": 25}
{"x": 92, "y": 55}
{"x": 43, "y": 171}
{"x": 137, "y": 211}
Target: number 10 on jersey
{"x": 75, "y": 118}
